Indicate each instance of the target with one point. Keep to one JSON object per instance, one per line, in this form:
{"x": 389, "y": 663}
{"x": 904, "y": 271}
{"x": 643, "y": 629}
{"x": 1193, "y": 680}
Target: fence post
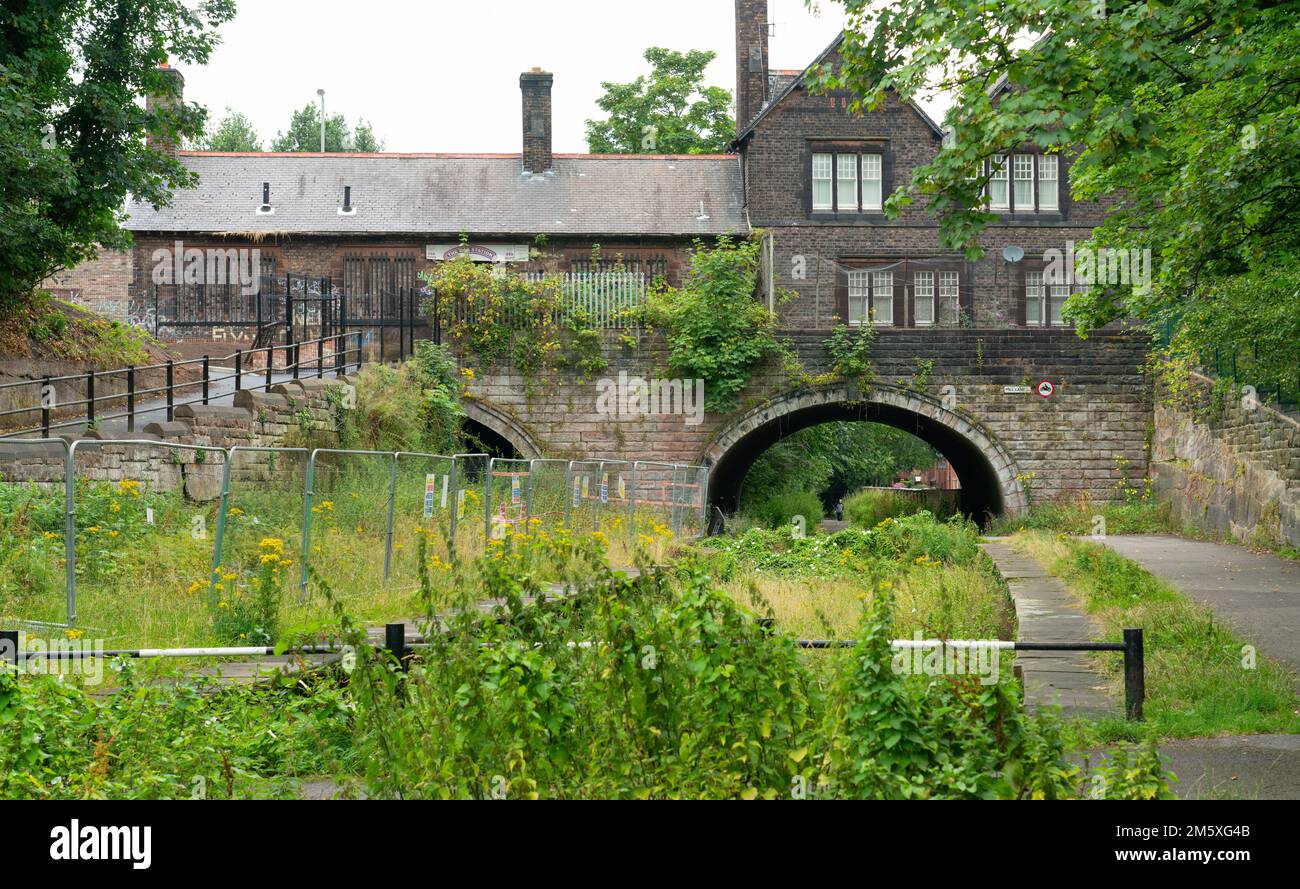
{"x": 46, "y": 392}
{"x": 307, "y": 495}
{"x": 487, "y": 501}
{"x": 631, "y": 508}
{"x": 207, "y": 378}
{"x": 453, "y": 505}
{"x": 171, "y": 391}
{"x": 130, "y": 399}
{"x": 90, "y": 398}
{"x": 295, "y": 355}
{"x": 270, "y": 361}
{"x": 1135, "y": 690}
{"x": 568, "y": 492}
{"x": 395, "y": 642}
{"x": 528, "y": 503}
{"x": 70, "y": 536}
{"x": 222, "y": 507}
{"x": 401, "y": 324}
{"x": 388, "y": 538}
{"x": 239, "y": 368}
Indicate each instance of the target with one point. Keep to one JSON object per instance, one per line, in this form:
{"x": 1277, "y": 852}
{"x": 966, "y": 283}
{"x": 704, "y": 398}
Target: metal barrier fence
{"x": 105, "y": 395}
{"x": 356, "y": 518}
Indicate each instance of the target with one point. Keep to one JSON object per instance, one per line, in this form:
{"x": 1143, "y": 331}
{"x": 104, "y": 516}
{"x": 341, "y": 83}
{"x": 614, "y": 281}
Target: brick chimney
{"x": 536, "y": 87}
{"x": 170, "y": 97}
{"x": 751, "y": 60}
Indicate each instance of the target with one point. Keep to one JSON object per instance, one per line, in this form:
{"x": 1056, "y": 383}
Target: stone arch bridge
{"x": 972, "y": 394}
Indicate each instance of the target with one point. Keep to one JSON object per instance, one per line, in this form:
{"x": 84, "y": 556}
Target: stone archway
{"x": 988, "y": 475}
{"x": 503, "y": 426}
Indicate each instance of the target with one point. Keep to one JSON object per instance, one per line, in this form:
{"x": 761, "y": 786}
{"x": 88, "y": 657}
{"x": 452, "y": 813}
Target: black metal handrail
{"x": 342, "y": 359}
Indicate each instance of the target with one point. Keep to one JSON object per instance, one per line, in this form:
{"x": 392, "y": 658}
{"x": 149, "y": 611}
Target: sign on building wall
{"x": 478, "y": 252}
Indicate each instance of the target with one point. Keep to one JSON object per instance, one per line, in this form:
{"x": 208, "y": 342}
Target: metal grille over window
{"x": 882, "y": 297}
{"x": 859, "y": 297}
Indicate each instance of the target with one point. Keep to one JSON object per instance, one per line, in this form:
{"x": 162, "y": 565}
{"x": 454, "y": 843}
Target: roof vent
{"x": 347, "y": 209}
{"x": 703, "y": 217}
{"x": 266, "y": 209}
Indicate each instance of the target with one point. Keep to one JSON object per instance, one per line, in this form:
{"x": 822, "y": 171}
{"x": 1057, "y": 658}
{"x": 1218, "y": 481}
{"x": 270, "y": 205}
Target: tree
{"x": 304, "y": 134}
{"x": 235, "y": 132}
{"x": 670, "y": 112}
{"x": 1183, "y": 113}
{"x": 72, "y": 134}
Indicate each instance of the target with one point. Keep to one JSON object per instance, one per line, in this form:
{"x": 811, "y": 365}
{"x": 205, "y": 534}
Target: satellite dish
{"x": 1013, "y": 254}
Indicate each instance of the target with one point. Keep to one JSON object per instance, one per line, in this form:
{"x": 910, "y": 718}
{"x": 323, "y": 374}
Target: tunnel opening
{"x": 478, "y": 438}
{"x": 981, "y": 496}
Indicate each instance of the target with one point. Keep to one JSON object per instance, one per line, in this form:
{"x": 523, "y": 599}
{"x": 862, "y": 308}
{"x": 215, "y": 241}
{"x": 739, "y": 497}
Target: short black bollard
{"x": 1135, "y": 689}
{"x": 767, "y": 625}
{"x": 9, "y": 647}
{"x": 395, "y": 642}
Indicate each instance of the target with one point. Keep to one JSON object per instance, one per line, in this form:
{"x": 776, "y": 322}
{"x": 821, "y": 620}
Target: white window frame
{"x": 873, "y": 166}
{"x": 1057, "y": 294}
{"x": 923, "y": 294}
{"x": 1049, "y": 186}
{"x": 849, "y": 163}
{"x": 829, "y": 178}
{"x": 949, "y": 293}
{"x": 859, "y": 292}
{"x": 1034, "y": 297}
{"x": 999, "y": 174}
{"x": 1023, "y": 172}
{"x": 878, "y": 318}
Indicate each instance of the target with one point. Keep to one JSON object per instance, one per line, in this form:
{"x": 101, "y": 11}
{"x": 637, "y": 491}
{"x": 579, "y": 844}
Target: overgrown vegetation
{"x": 716, "y": 330}
{"x": 498, "y": 317}
{"x": 867, "y": 509}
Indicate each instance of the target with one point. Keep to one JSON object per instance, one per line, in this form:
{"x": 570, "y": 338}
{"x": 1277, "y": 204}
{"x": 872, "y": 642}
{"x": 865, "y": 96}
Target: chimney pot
{"x": 535, "y": 85}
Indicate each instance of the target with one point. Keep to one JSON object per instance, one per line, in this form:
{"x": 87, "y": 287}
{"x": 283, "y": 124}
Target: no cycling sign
{"x": 1046, "y": 388}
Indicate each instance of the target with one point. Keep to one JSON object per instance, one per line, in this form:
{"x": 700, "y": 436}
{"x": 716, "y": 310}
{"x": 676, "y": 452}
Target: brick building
{"x": 807, "y": 172}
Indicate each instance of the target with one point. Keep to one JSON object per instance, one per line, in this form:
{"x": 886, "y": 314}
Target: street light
{"x": 321, "y": 93}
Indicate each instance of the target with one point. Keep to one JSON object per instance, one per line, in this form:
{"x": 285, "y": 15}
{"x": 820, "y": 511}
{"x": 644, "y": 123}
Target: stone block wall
{"x": 1230, "y": 470}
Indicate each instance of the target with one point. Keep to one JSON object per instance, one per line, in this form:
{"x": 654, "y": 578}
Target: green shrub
{"x": 781, "y": 507}
{"x": 866, "y": 509}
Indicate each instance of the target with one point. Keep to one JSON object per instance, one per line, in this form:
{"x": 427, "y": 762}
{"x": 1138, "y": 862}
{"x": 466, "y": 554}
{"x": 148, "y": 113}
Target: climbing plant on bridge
{"x": 496, "y": 316}
{"x": 716, "y": 330}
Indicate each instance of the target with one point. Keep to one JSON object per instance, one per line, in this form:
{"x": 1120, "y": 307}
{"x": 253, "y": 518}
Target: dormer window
{"x": 846, "y": 178}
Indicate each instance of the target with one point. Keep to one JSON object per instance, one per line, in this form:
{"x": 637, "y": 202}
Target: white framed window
{"x": 949, "y": 297}
{"x": 923, "y": 298}
{"x": 859, "y": 297}
{"x": 882, "y": 298}
{"x": 999, "y": 196}
{"x": 1024, "y": 173}
{"x": 1034, "y": 308}
{"x": 1058, "y": 294}
{"x": 822, "y": 172}
{"x": 846, "y": 178}
{"x": 1049, "y": 182}
{"x": 871, "y": 181}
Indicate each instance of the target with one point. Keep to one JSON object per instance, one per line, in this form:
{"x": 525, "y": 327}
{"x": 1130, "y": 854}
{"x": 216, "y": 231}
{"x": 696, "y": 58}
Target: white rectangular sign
{"x": 478, "y": 252}
{"x": 1016, "y": 390}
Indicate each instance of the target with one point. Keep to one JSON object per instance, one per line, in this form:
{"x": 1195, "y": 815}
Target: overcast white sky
{"x": 443, "y": 75}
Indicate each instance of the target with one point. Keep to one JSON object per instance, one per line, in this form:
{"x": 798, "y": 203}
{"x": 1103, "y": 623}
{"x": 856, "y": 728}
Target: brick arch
{"x": 503, "y": 425}
{"x": 989, "y": 476}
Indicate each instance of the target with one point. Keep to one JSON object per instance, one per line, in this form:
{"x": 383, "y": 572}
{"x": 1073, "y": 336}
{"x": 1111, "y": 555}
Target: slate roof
{"x": 444, "y": 194}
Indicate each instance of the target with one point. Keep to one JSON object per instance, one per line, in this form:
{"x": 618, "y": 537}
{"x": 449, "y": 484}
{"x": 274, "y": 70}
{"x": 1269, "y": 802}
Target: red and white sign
{"x": 1046, "y": 388}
